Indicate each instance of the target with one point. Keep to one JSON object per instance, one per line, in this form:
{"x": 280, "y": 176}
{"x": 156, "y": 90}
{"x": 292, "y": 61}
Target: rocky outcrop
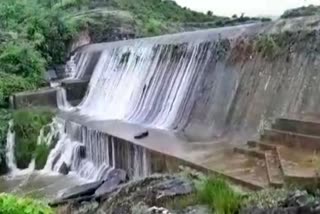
{"x": 64, "y": 169}
{"x": 297, "y": 202}
{"x": 151, "y": 192}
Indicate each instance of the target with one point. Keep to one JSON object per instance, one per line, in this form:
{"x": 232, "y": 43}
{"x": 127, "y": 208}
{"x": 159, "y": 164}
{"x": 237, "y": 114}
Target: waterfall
{"x": 10, "y": 158}
{"x": 68, "y": 151}
{"x": 62, "y": 101}
{"x": 154, "y": 82}
{"x": 144, "y": 83}
{"x": 92, "y": 155}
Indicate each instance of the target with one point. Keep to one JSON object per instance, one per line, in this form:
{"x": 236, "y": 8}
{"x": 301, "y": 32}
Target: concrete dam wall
{"x": 206, "y": 84}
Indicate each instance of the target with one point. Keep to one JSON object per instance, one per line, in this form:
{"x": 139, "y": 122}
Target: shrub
{"x": 10, "y": 204}
{"x": 268, "y": 198}
{"x": 267, "y": 46}
{"x": 27, "y": 124}
{"x": 219, "y": 196}
{"x": 11, "y": 83}
{"x": 21, "y": 59}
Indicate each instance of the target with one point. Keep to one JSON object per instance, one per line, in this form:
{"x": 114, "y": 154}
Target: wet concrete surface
{"x": 216, "y": 155}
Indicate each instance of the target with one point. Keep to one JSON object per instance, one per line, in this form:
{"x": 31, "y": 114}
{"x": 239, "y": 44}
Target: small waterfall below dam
{"x": 10, "y": 158}
{"x": 92, "y": 155}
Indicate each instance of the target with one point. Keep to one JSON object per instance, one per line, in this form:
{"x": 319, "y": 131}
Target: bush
{"x": 10, "y": 204}
{"x": 21, "y": 59}
{"x": 27, "y": 124}
{"x": 219, "y": 196}
{"x": 11, "y": 83}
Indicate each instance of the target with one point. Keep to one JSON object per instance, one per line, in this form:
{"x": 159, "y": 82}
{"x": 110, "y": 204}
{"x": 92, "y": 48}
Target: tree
{"x": 210, "y": 13}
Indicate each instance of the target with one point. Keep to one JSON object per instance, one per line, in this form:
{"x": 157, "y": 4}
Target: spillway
{"x": 201, "y": 86}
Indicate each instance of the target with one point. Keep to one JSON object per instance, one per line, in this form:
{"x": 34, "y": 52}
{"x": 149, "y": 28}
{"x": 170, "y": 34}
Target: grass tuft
{"x": 219, "y": 196}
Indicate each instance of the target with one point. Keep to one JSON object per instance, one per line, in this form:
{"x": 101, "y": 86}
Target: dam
{"x": 201, "y": 96}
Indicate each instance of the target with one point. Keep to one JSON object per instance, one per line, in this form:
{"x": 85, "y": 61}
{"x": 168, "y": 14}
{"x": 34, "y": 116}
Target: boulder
{"x": 116, "y": 173}
{"x": 81, "y": 191}
{"x": 115, "y": 177}
{"x": 82, "y": 152}
{"x": 64, "y": 169}
{"x": 50, "y": 75}
{"x": 174, "y": 187}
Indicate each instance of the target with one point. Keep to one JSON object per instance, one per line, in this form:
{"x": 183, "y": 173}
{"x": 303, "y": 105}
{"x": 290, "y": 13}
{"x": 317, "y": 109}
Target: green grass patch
{"x": 27, "y": 126}
{"x": 10, "y": 204}
{"x": 219, "y": 196}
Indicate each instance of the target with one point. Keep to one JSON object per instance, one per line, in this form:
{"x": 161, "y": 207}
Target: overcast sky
{"x": 249, "y": 7}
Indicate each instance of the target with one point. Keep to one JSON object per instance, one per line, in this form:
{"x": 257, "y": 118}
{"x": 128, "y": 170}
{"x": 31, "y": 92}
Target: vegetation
{"x": 268, "y": 198}
{"x": 27, "y": 124}
{"x": 219, "y": 196}
{"x": 302, "y": 11}
{"x": 267, "y": 46}
{"x": 155, "y": 17}
{"x": 10, "y": 204}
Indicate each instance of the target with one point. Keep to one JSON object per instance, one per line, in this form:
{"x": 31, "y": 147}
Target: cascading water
{"x": 144, "y": 83}
{"x": 62, "y": 101}
{"x": 92, "y": 155}
{"x": 10, "y": 158}
{"x": 153, "y": 82}
{"x": 149, "y": 81}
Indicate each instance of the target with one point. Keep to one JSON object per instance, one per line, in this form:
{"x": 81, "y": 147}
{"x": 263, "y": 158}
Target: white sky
{"x": 249, "y": 7}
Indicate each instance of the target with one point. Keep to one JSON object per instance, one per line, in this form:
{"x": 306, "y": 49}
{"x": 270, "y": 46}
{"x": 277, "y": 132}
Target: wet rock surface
{"x": 64, "y": 169}
{"x": 114, "y": 178}
{"x": 83, "y": 190}
{"x": 139, "y": 196}
{"x": 297, "y": 202}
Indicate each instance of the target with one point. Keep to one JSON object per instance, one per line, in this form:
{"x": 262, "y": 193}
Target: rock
{"x": 50, "y": 75}
{"x": 64, "y": 169}
{"x": 176, "y": 187}
{"x": 82, "y": 152}
{"x": 119, "y": 173}
{"x": 297, "y": 199}
{"x": 80, "y": 191}
{"x": 198, "y": 209}
{"x": 290, "y": 210}
{"x": 115, "y": 177}
{"x": 142, "y": 135}
{"x": 152, "y": 191}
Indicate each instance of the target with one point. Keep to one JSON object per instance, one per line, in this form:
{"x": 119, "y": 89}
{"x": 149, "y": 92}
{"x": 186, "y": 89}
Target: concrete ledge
{"x": 46, "y": 97}
{"x": 164, "y": 158}
{"x": 298, "y": 126}
{"x": 291, "y": 139}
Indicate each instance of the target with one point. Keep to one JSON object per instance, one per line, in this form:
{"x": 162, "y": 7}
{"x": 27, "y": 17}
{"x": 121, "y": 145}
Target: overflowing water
{"x": 62, "y": 101}
{"x": 10, "y": 158}
{"x": 154, "y": 81}
{"x": 92, "y": 155}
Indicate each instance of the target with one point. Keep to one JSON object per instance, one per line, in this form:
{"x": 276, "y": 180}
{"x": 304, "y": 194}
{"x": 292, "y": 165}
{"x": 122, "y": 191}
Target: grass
{"x": 219, "y": 196}
{"x": 10, "y": 204}
{"x": 27, "y": 124}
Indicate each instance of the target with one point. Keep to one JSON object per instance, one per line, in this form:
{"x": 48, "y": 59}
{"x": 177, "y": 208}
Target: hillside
{"x": 302, "y": 11}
